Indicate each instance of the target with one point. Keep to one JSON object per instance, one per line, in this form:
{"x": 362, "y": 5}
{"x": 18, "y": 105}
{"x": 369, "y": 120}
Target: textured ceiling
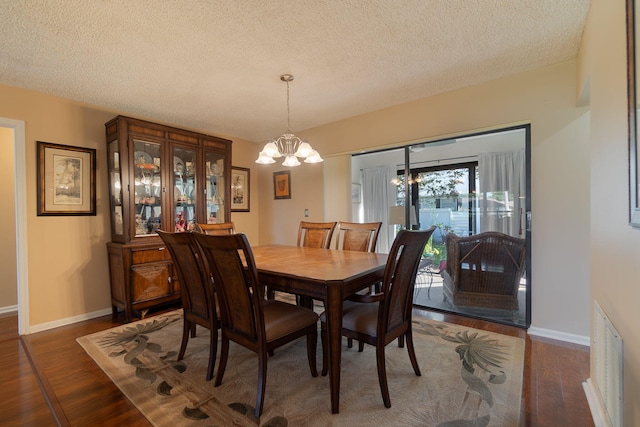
{"x": 215, "y": 65}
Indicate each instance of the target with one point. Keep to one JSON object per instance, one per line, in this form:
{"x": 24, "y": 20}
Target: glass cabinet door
{"x": 115, "y": 181}
{"x": 215, "y": 186}
{"x": 184, "y": 189}
{"x": 147, "y": 187}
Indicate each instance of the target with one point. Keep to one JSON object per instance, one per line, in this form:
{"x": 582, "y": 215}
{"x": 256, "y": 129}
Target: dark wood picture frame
{"x": 240, "y": 189}
{"x": 66, "y": 180}
{"x": 282, "y": 185}
{"x": 634, "y": 114}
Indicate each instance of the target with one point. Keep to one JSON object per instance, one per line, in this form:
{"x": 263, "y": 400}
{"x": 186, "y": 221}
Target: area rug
{"x": 469, "y": 378}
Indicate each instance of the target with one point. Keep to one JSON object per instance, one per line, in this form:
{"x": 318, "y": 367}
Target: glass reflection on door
{"x": 214, "y": 182}
{"x": 450, "y": 194}
{"x": 184, "y": 191}
{"x": 147, "y": 187}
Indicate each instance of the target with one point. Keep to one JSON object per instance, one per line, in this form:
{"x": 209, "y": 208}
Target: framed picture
{"x": 66, "y": 180}
{"x": 633, "y": 93}
{"x": 240, "y": 189}
{"x": 282, "y": 185}
{"x": 356, "y": 193}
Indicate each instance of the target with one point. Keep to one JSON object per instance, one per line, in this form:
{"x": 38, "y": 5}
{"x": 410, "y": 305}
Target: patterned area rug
{"x": 469, "y": 378}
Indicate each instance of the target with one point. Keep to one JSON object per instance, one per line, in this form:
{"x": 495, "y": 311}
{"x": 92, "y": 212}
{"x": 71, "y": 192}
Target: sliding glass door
{"x": 463, "y": 186}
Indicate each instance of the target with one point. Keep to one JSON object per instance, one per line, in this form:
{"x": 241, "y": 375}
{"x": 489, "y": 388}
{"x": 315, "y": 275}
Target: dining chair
{"x": 247, "y": 318}
{"x": 315, "y": 234}
{"x": 196, "y": 290}
{"x": 484, "y": 270}
{"x": 220, "y": 228}
{"x": 354, "y": 236}
{"x": 378, "y": 319}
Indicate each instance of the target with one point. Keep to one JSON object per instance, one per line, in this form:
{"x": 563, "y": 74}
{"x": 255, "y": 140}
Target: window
{"x": 443, "y": 196}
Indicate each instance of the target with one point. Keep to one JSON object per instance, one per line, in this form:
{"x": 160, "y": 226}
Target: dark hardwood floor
{"x": 47, "y": 379}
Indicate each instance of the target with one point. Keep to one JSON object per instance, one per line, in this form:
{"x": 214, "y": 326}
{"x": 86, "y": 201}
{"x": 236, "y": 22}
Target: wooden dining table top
{"x": 323, "y": 265}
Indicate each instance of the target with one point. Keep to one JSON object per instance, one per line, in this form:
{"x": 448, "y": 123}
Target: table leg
{"x": 333, "y": 306}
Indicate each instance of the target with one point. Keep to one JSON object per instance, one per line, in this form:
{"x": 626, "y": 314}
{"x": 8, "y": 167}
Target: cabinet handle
{"x": 161, "y": 248}
{"x": 169, "y": 279}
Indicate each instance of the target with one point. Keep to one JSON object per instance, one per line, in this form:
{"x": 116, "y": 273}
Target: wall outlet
{"x": 306, "y": 213}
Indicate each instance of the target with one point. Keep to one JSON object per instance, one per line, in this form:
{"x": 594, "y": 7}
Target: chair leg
{"x": 224, "y": 354}
{"x": 213, "y": 350}
{"x": 304, "y": 301}
{"x": 186, "y": 329}
{"x": 382, "y": 375}
{"x": 360, "y": 345}
{"x": 312, "y": 341}
{"x": 412, "y": 353}
{"x": 325, "y": 350}
{"x": 377, "y": 287}
{"x": 262, "y": 383}
{"x": 401, "y": 341}
{"x": 193, "y": 330}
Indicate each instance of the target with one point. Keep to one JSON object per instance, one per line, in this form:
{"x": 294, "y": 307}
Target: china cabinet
{"x": 160, "y": 177}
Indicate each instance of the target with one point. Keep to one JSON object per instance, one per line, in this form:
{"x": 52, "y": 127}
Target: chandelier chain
{"x": 288, "y": 110}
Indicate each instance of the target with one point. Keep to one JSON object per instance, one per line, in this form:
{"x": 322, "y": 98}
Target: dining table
{"x": 329, "y": 275}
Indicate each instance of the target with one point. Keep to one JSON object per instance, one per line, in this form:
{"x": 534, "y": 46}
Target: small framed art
{"x": 282, "y": 185}
{"x": 66, "y": 179}
{"x": 240, "y": 189}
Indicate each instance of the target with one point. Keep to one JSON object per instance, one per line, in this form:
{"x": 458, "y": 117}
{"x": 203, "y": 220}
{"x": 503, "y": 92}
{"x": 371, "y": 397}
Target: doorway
{"x": 459, "y": 186}
{"x": 20, "y": 191}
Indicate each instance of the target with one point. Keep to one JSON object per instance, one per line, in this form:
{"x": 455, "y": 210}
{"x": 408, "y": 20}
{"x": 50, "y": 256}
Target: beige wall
{"x": 337, "y": 177}
{"x": 614, "y": 245}
{"x": 243, "y": 155}
{"x": 68, "y": 274}
{"x": 8, "y": 284}
{"x": 279, "y": 219}
{"x": 560, "y": 177}
{"x": 67, "y": 269}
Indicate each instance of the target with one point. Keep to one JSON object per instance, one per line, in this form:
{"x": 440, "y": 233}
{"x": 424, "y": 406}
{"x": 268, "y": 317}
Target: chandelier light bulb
{"x": 271, "y": 150}
{"x": 304, "y": 150}
{"x": 314, "y": 157}
{"x": 291, "y": 161}
{"x": 263, "y": 159}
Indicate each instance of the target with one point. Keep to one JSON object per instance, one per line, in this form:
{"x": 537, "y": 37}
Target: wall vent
{"x": 608, "y": 364}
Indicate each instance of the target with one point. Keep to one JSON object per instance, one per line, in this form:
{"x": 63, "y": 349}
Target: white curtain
{"x": 378, "y": 193}
{"x": 502, "y": 192}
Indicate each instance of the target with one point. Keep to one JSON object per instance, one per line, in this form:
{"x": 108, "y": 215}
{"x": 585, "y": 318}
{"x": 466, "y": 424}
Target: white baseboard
{"x": 9, "y": 309}
{"x": 560, "y": 336}
{"x": 597, "y": 410}
{"x": 68, "y": 321}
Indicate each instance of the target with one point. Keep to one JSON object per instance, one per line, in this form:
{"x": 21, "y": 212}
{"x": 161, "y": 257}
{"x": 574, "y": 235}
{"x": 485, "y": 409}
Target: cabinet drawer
{"x": 142, "y": 256}
{"x": 151, "y": 282}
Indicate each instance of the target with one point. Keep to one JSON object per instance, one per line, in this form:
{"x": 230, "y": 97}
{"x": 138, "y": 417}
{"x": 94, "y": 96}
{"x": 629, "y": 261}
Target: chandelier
{"x": 288, "y": 145}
